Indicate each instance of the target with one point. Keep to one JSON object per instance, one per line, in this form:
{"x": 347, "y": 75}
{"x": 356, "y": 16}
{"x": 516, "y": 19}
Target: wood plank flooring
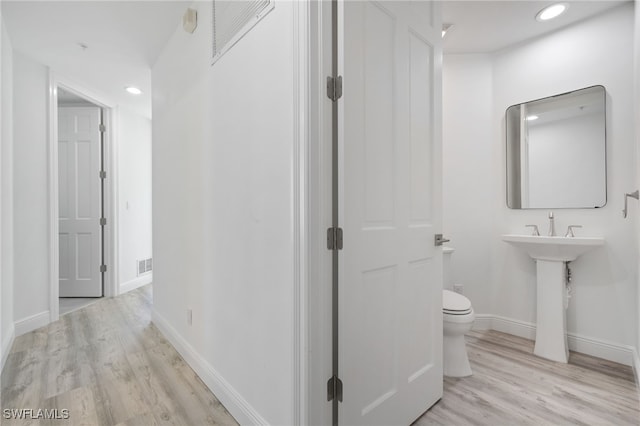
{"x": 108, "y": 365}
{"x": 70, "y": 304}
{"x": 511, "y": 386}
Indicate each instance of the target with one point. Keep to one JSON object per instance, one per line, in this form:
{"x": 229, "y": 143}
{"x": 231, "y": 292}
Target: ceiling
{"x": 487, "y": 26}
{"x": 123, "y": 39}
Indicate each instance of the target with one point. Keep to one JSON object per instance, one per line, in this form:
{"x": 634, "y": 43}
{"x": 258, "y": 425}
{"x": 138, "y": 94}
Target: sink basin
{"x": 558, "y": 249}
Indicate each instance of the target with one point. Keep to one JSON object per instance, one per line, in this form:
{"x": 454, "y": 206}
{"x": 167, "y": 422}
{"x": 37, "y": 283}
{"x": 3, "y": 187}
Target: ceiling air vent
{"x": 233, "y": 19}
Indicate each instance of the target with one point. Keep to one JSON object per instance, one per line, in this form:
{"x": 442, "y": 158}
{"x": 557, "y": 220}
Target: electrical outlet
{"x": 189, "y": 316}
{"x": 458, "y": 288}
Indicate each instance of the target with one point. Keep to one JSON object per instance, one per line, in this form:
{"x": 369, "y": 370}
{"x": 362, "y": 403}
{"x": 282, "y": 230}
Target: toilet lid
{"x": 454, "y": 302}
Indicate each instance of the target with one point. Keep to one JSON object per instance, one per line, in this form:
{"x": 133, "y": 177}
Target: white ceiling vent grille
{"x": 232, "y": 19}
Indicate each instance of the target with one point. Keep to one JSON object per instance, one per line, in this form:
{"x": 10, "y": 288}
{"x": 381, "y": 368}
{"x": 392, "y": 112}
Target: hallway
{"x": 107, "y": 364}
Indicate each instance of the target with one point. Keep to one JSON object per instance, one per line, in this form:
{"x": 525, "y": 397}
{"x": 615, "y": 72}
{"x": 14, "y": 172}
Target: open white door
{"x": 80, "y": 201}
{"x": 390, "y": 315}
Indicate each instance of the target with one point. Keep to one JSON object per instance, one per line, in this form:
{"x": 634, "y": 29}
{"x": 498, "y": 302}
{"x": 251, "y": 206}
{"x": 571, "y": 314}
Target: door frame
{"x": 110, "y": 243}
{"x": 319, "y": 205}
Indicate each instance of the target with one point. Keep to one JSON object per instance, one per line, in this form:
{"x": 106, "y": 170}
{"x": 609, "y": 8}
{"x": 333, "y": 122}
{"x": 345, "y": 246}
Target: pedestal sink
{"x": 551, "y": 255}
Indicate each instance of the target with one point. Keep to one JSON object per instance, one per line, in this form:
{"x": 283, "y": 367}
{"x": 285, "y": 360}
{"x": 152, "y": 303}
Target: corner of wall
{"x": 135, "y": 283}
{"x": 636, "y": 367}
{"x": 32, "y": 322}
{"x": 7, "y": 343}
{"x": 636, "y": 82}
{"x": 7, "y": 329}
{"x": 230, "y": 398}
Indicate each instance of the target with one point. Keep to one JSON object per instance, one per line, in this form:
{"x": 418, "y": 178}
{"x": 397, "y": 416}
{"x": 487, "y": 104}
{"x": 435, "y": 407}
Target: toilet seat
{"x": 455, "y": 304}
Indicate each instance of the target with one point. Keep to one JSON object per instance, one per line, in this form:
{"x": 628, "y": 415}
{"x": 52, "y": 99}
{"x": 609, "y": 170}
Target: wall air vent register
{"x": 233, "y": 19}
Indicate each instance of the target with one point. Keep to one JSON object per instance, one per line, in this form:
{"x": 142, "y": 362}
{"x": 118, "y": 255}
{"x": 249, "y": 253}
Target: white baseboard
{"x": 636, "y": 366}
{"x": 7, "y": 343}
{"x": 621, "y": 354}
{"x": 237, "y": 406}
{"x": 483, "y": 322}
{"x": 33, "y": 322}
{"x": 135, "y": 283}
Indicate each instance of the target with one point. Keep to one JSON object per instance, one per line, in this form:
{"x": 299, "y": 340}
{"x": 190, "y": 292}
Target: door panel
{"x": 80, "y": 202}
{"x": 390, "y": 291}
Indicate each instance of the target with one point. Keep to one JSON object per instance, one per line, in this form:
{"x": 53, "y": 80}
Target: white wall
{"x": 134, "y": 196}
{"x": 6, "y": 195}
{"x": 470, "y": 181}
{"x": 637, "y": 140}
{"x": 30, "y": 189}
{"x": 597, "y": 51}
{"x": 223, "y": 196}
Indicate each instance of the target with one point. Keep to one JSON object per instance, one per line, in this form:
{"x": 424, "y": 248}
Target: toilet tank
{"x": 447, "y": 276}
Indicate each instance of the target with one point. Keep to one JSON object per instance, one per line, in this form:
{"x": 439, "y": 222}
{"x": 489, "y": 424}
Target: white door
{"x": 80, "y": 201}
{"x": 390, "y": 315}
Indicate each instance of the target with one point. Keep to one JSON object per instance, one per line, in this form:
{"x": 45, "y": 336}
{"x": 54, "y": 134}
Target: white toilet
{"x": 457, "y": 319}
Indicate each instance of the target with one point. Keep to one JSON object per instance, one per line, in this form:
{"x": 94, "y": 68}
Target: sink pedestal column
{"x": 551, "y": 327}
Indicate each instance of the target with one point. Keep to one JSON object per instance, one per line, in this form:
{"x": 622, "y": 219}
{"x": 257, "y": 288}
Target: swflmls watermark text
{"x": 37, "y": 413}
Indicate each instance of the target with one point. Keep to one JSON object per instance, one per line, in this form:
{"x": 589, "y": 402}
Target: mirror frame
{"x": 509, "y": 169}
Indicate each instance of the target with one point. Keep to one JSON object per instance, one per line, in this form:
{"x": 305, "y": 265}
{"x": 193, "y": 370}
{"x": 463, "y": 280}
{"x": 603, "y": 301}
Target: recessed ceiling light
{"x": 133, "y": 90}
{"x": 552, "y": 11}
{"x": 532, "y": 117}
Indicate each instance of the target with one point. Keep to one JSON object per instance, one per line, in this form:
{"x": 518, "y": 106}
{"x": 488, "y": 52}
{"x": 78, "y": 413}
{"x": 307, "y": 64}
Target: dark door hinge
{"x": 103, "y": 268}
{"x": 334, "y": 389}
{"x": 102, "y": 128}
{"x": 334, "y": 238}
{"x": 103, "y": 174}
{"x": 334, "y": 88}
{"x": 103, "y": 221}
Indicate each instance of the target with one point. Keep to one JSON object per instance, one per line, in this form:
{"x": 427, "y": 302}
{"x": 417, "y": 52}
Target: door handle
{"x": 440, "y": 240}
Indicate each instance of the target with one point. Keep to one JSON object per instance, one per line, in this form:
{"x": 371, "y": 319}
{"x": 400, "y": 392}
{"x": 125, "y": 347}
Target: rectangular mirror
{"x": 556, "y": 151}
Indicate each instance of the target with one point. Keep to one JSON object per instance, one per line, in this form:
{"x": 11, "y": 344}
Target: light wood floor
{"x": 511, "y": 386}
{"x": 109, "y": 365}
{"x": 70, "y": 304}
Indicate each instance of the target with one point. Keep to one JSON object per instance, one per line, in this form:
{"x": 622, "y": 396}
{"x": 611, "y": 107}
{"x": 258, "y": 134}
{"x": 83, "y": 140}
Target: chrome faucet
{"x": 570, "y": 230}
{"x": 535, "y": 233}
{"x": 552, "y": 227}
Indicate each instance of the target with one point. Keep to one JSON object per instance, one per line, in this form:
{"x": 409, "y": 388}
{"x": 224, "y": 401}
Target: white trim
{"x": 615, "y": 352}
{"x": 319, "y": 266}
{"x": 111, "y": 287}
{"x": 515, "y": 327}
{"x": 636, "y": 366}
{"x": 7, "y": 343}
{"x": 52, "y": 152}
{"x": 235, "y": 403}
{"x": 622, "y": 354}
{"x": 135, "y": 283}
{"x": 111, "y": 204}
{"x": 32, "y": 322}
{"x": 483, "y": 322}
{"x": 300, "y": 170}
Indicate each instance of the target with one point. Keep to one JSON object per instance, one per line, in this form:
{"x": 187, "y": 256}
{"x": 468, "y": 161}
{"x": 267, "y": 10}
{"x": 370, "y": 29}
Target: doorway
{"x": 387, "y": 214}
{"x": 80, "y": 201}
{"x": 81, "y": 193}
